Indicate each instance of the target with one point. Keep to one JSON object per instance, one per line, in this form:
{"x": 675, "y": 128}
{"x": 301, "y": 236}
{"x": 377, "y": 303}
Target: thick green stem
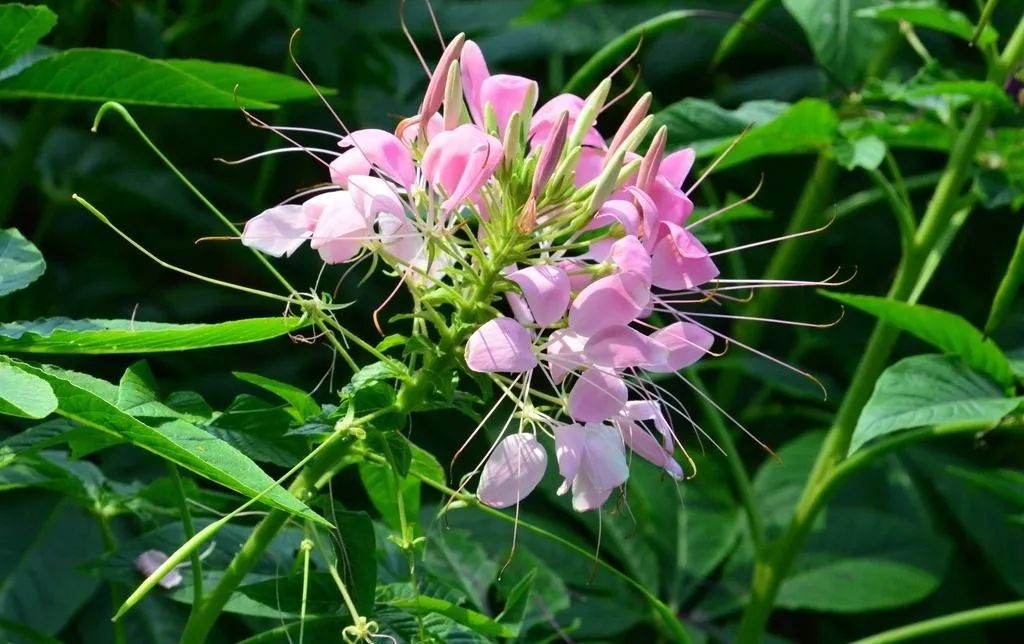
{"x": 190, "y": 531}
{"x": 202, "y": 620}
{"x": 772, "y": 565}
{"x": 948, "y": 623}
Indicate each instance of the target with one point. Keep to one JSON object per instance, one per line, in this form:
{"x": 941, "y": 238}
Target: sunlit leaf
{"x": 930, "y": 15}
{"x": 23, "y": 394}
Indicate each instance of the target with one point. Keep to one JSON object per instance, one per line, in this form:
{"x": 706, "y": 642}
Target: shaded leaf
{"x": 928, "y": 14}
{"x": 297, "y": 398}
{"x": 21, "y": 27}
{"x": 927, "y": 390}
{"x": 867, "y": 152}
{"x": 459, "y": 562}
{"x": 62, "y": 335}
{"x": 21, "y": 263}
{"x": 842, "y": 42}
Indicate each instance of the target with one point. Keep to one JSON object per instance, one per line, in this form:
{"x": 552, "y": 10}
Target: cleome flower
{"x": 558, "y": 262}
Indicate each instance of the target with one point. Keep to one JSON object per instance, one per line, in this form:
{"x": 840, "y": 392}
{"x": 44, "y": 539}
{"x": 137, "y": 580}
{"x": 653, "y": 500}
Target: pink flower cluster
{"x": 600, "y": 252}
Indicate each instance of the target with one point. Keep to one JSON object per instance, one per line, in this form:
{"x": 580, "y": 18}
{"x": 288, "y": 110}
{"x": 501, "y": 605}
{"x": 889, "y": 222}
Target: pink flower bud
{"x": 434, "y": 95}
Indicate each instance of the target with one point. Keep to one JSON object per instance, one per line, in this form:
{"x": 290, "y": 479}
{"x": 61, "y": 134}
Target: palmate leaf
{"x": 114, "y": 75}
{"x": 63, "y": 335}
{"x": 926, "y": 390}
{"x": 21, "y": 27}
{"x": 21, "y": 263}
{"x": 93, "y": 403}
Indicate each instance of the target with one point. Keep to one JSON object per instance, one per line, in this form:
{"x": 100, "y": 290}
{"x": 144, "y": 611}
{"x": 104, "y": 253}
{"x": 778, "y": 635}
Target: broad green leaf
{"x": 257, "y": 429}
{"x": 973, "y": 89}
{"x": 21, "y": 263}
{"x": 62, "y": 335}
{"x": 252, "y": 82}
{"x": 941, "y": 329}
{"x": 357, "y": 560}
{"x": 929, "y": 14}
{"x": 460, "y": 562}
{"x": 46, "y": 542}
{"x": 843, "y": 43}
{"x": 862, "y": 560}
{"x": 93, "y": 403}
{"x": 806, "y": 126}
{"x": 113, "y": 75}
{"x": 867, "y": 152}
{"x": 21, "y": 27}
{"x": 480, "y": 623}
{"x": 297, "y": 398}
{"x": 22, "y": 394}
{"x": 383, "y": 487}
{"x": 137, "y": 393}
{"x": 929, "y": 390}
{"x": 779, "y": 482}
{"x": 917, "y": 133}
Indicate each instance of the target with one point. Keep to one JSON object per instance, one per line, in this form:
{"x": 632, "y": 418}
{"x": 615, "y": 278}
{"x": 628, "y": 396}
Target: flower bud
{"x": 588, "y": 115}
{"x": 434, "y": 95}
{"x": 631, "y": 122}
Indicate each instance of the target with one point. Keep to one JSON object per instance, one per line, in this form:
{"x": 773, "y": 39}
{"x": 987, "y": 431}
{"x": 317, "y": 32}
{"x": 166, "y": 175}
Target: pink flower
{"x": 680, "y": 261}
{"x": 500, "y": 346}
{"x": 373, "y": 149}
{"x": 686, "y": 343}
{"x": 622, "y": 347}
{"x": 592, "y": 461}
{"x": 277, "y": 231}
{"x": 598, "y": 394}
{"x": 564, "y": 353}
{"x": 544, "y": 119}
{"x": 341, "y": 230}
{"x": 507, "y": 94}
{"x": 610, "y": 301}
{"x": 460, "y": 162}
{"x": 514, "y": 468}
{"x": 546, "y": 289}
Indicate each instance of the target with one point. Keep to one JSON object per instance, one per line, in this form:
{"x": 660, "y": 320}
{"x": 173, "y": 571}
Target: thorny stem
{"x": 773, "y": 564}
{"x": 190, "y": 531}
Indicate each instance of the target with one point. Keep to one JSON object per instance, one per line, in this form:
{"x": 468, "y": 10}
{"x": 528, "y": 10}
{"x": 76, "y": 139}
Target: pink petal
{"x": 545, "y": 117}
{"x": 513, "y": 470}
{"x": 676, "y": 166}
{"x": 680, "y": 261}
{"x": 589, "y": 165}
{"x": 686, "y": 343}
{"x": 617, "y": 211}
{"x": 621, "y": 347}
{"x": 629, "y": 256}
{"x": 460, "y": 162}
{"x": 373, "y": 196}
{"x": 564, "y": 353}
{"x": 474, "y": 73}
{"x": 340, "y": 231}
{"x": 605, "y": 460}
{"x": 641, "y": 442}
{"x": 546, "y": 289}
{"x": 386, "y": 154}
{"x": 650, "y": 410}
{"x": 508, "y": 94}
{"x": 673, "y": 206}
{"x": 500, "y": 346}
{"x": 277, "y": 231}
{"x": 596, "y": 396}
{"x": 610, "y": 301}
{"x": 570, "y": 446}
{"x": 349, "y": 163}
{"x": 399, "y": 237}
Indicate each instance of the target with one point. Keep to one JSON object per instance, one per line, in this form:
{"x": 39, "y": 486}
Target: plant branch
{"x": 949, "y": 622}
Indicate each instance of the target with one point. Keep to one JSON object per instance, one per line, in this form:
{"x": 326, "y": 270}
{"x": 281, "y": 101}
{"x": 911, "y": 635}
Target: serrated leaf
{"x": 862, "y": 560}
{"x": 941, "y": 329}
{"x": 63, "y": 335}
{"x": 21, "y": 263}
{"x": 22, "y": 394}
{"x": 928, "y": 14}
{"x": 297, "y": 398}
{"x": 92, "y": 402}
{"x": 21, "y": 27}
{"x": 927, "y": 390}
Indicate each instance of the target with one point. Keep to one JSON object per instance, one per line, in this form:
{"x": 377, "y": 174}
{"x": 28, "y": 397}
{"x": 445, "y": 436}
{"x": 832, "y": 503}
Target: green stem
{"x": 732, "y": 37}
{"x": 1008, "y": 287}
{"x": 201, "y": 621}
{"x": 948, "y": 623}
{"x": 190, "y": 531}
{"x": 772, "y": 565}
{"x": 110, "y": 544}
{"x": 741, "y": 481}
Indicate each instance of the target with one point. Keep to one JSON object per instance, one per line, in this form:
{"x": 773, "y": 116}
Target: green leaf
{"x": 92, "y": 402}
{"x": 842, "y": 42}
{"x": 22, "y": 394}
{"x": 867, "y": 152}
{"x": 480, "y": 623}
{"x": 357, "y": 560}
{"x": 297, "y": 398}
{"x": 251, "y": 82}
{"x": 460, "y": 562}
{"x": 62, "y": 335}
{"x": 973, "y": 89}
{"x": 113, "y": 75}
{"x": 779, "y": 483}
{"x": 21, "y": 27}
{"x": 928, "y": 390}
{"x": 863, "y": 560}
{"x": 257, "y": 429}
{"x": 805, "y": 126}
{"x": 930, "y": 15}
{"x": 941, "y": 329}
{"x": 383, "y": 490}
{"x": 46, "y": 541}
{"x": 21, "y": 263}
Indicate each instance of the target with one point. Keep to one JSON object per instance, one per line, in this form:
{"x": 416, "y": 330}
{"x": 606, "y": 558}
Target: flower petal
{"x": 341, "y": 230}
{"x": 680, "y": 261}
{"x": 676, "y": 166}
{"x": 513, "y": 470}
{"x": 621, "y": 347}
{"x": 546, "y": 289}
{"x": 610, "y": 301}
{"x": 564, "y": 353}
{"x": 507, "y": 94}
{"x": 570, "y": 445}
{"x": 500, "y": 346}
{"x": 641, "y": 442}
{"x": 686, "y": 343}
{"x": 386, "y": 154}
{"x": 605, "y": 460}
{"x": 596, "y": 396}
{"x": 277, "y": 231}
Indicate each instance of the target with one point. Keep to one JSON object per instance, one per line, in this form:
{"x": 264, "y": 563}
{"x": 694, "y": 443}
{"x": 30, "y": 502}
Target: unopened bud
{"x": 550, "y": 153}
{"x": 604, "y": 184}
{"x": 652, "y": 160}
{"x": 588, "y": 115}
{"x": 630, "y": 123}
{"x": 453, "y": 97}
{"x": 513, "y": 141}
{"x": 637, "y": 135}
{"x": 434, "y": 95}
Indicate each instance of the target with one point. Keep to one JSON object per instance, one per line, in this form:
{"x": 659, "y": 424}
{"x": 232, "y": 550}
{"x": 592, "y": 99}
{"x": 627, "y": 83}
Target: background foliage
{"x": 857, "y": 109}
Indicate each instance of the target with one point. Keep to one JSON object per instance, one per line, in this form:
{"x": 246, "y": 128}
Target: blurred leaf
{"x": 863, "y": 560}
{"x": 113, "y": 75}
{"x": 357, "y": 560}
{"x": 302, "y": 402}
{"x": 941, "y": 329}
{"x": 458, "y": 561}
{"x": 62, "y": 335}
{"x": 928, "y": 390}
{"x": 383, "y": 490}
{"x": 250, "y": 82}
{"x": 867, "y": 152}
{"x": 46, "y": 541}
{"x": 22, "y": 394}
{"x": 21, "y": 27}
{"x": 972, "y": 89}
{"x": 92, "y": 402}
{"x": 910, "y": 132}
{"x": 703, "y": 124}
{"x": 809, "y": 125}
{"x": 21, "y": 263}
{"x": 480, "y": 623}
{"x": 931, "y": 15}
{"x": 843, "y": 43}
{"x": 517, "y": 603}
